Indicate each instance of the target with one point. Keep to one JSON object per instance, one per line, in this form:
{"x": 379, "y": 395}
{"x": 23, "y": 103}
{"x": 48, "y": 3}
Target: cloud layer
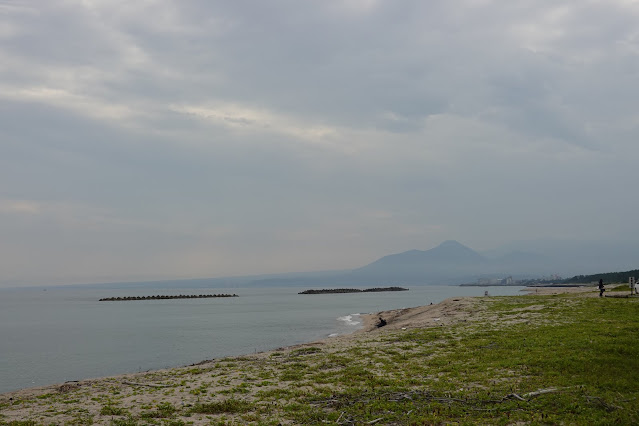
{"x": 158, "y": 139}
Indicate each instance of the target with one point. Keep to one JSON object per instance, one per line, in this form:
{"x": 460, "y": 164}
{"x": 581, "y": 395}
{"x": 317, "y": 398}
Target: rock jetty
{"x": 181, "y": 296}
{"x": 353, "y": 290}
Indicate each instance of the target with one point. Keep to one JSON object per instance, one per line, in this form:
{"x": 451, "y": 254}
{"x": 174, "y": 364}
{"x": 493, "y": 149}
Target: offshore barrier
{"x": 163, "y": 297}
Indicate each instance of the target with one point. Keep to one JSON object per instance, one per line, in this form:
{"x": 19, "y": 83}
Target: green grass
{"x": 124, "y": 422}
{"x": 621, "y": 287}
{"x": 225, "y": 406}
{"x": 110, "y": 410}
{"x": 20, "y": 423}
{"x": 584, "y": 349}
{"x": 162, "y": 411}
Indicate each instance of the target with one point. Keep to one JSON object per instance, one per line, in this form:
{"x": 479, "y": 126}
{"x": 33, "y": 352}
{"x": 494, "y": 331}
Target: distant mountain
{"x": 449, "y": 252}
{"x": 454, "y": 263}
{"x": 449, "y": 263}
{"x": 449, "y": 260}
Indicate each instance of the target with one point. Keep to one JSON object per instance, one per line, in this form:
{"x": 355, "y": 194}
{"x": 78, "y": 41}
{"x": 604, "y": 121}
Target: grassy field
{"x": 561, "y": 359}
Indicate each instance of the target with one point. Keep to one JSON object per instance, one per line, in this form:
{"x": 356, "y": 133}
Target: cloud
{"x": 257, "y": 121}
{"x": 79, "y": 104}
{"x": 263, "y": 137}
{"x": 19, "y": 207}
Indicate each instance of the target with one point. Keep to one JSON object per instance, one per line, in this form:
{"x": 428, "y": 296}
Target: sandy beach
{"x": 223, "y": 378}
{"x": 450, "y": 310}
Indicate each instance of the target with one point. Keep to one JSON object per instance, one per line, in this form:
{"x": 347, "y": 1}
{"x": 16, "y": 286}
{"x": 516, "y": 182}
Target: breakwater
{"x": 352, "y": 290}
{"x": 164, "y": 297}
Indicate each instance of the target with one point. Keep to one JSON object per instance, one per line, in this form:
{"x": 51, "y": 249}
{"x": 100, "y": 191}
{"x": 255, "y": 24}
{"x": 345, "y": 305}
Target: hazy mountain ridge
{"x": 448, "y": 263}
{"x": 448, "y": 260}
{"x": 453, "y": 262}
{"x": 448, "y": 252}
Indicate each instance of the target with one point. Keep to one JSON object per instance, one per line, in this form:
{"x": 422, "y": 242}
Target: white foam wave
{"x": 353, "y": 319}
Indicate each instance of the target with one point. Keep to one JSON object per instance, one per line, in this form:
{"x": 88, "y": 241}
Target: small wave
{"x": 333, "y": 335}
{"x": 352, "y": 319}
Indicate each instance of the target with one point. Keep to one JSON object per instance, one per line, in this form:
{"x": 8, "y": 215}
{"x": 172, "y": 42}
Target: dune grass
{"x": 560, "y": 359}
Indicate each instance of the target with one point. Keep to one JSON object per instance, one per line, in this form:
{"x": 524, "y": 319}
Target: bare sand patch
{"x": 444, "y": 313}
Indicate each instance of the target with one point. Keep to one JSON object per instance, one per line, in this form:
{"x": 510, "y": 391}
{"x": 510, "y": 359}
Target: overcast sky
{"x": 182, "y": 139}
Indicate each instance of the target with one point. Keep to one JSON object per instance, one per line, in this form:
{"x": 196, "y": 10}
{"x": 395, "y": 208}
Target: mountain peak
{"x": 450, "y": 257}
{"x": 451, "y": 244}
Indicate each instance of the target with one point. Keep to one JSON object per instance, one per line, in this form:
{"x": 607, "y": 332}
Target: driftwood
{"x": 428, "y": 396}
{"x": 514, "y": 396}
{"x": 599, "y": 401}
{"x": 476, "y": 404}
{"x": 541, "y": 392}
{"x": 527, "y": 396}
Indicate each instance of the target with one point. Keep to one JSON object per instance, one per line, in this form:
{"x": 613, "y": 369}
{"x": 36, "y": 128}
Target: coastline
{"x": 177, "y": 386}
{"x": 108, "y": 339}
{"x": 438, "y": 314}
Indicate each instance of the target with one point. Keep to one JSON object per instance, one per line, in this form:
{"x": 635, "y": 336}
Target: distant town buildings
{"x": 496, "y": 281}
{"x": 510, "y": 281}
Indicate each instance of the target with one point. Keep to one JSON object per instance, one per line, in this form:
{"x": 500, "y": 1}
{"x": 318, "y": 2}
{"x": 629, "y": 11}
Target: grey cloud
{"x": 186, "y": 131}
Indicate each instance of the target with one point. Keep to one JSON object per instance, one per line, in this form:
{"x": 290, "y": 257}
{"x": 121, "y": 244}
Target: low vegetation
{"x": 608, "y": 277}
{"x": 563, "y": 359}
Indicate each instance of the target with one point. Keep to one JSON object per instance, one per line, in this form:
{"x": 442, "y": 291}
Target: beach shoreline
{"x": 184, "y": 386}
{"x": 440, "y": 314}
{"x": 66, "y": 334}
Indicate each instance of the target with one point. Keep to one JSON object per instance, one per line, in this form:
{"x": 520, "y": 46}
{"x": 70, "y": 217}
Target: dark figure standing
{"x": 601, "y": 288}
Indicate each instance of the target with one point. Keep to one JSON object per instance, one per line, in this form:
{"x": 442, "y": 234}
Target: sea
{"x": 51, "y": 335}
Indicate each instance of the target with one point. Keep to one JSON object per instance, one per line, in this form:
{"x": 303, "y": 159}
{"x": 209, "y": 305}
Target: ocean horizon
{"x": 57, "y": 334}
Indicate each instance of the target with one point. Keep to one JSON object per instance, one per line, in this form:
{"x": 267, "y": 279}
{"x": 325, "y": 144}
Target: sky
{"x": 182, "y": 139}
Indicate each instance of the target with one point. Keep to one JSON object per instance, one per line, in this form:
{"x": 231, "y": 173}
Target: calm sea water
{"x": 64, "y": 333}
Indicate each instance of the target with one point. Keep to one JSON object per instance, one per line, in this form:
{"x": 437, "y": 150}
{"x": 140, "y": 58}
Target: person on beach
{"x": 601, "y": 288}
{"x": 381, "y": 322}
